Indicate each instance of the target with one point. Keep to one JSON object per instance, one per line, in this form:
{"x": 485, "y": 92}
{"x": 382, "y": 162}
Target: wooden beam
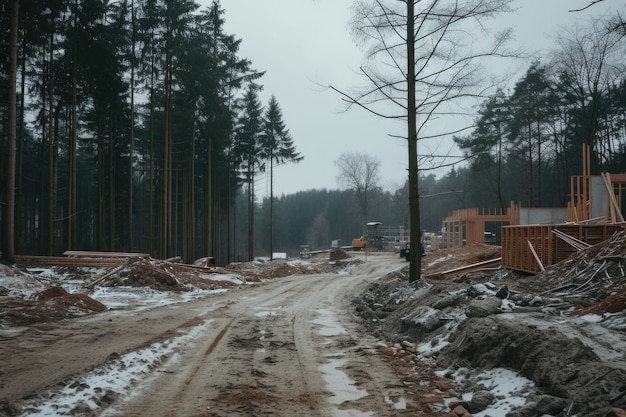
{"x": 105, "y": 276}
{"x": 468, "y": 268}
{"x": 92, "y": 254}
{"x": 532, "y": 250}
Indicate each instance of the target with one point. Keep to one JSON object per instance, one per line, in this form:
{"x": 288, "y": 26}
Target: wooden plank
{"x": 93, "y": 254}
{"x": 572, "y": 241}
{"x": 616, "y": 213}
{"x": 537, "y": 259}
{"x": 468, "y": 268}
{"x": 105, "y": 276}
{"x": 29, "y": 261}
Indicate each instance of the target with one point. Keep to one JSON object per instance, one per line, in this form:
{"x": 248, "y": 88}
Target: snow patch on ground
{"x": 509, "y": 388}
{"x": 115, "y": 379}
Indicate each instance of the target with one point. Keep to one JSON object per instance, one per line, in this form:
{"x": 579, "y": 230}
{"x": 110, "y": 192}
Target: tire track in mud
{"x": 178, "y": 398}
{"x": 273, "y": 366}
{"x": 244, "y": 364}
{"x": 261, "y": 352}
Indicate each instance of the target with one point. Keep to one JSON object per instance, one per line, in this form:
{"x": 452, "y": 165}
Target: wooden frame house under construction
{"x": 536, "y": 238}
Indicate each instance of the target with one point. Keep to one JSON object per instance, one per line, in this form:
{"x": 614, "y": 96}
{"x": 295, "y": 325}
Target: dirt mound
{"x": 51, "y": 304}
{"x": 563, "y": 367}
{"x": 279, "y": 268}
{"x": 149, "y": 274}
{"x": 27, "y": 299}
{"x": 338, "y": 254}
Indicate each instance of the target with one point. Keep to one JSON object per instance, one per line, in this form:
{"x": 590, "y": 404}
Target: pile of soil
{"x": 147, "y": 273}
{"x": 51, "y": 304}
{"x": 459, "y": 323}
{"x": 25, "y": 299}
{"x": 279, "y": 268}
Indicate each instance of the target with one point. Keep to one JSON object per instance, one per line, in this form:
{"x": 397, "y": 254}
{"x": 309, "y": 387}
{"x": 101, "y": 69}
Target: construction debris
{"x": 561, "y": 329}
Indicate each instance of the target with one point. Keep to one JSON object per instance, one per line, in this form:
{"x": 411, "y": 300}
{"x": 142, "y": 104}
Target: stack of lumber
{"x": 86, "y": 259}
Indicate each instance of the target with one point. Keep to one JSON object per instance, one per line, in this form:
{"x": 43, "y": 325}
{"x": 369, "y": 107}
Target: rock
{"x": 476, "y": 290}
{"x": 503, "y": 292}
{"x": 541, "y": 405}
{"x": 460, "y": 411}
{"x": 449, "y": 301}
{"x": 409, "y": 347}
{"x": 484, "y": 308}
{"x": 522, "y": 412}
{"x": 616, "y": 412}
{"x": 480, "y": 401}
{"x": 8, "y": 409}
{"x": 547, "y": 404}
{"x": 455, "y": 404}
{"x": 423, "y": 319}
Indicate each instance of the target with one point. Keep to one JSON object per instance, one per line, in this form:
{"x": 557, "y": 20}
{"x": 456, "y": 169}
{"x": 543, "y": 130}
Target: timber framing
{"x": 467, "y": 226}
{"x": 532, "y": 248}
{"x": 594, "y": 214}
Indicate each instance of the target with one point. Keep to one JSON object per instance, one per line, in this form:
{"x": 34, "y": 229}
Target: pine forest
{"x": 139, "y": 128}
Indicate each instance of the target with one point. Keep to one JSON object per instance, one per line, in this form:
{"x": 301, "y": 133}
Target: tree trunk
{"x": 112, "y": 219}
{"x": 415, "y": 255}
{"x": 166, "y": 185}
{"x": 151, "y": 213}
{"x": 8, "y": 215}
{"x": 132, "y": 131}
{"x": 271, "y": 206}
{"x": 52, "y": 152}
{"x": 250, "y": 213}
{"x": 101, "y": 214}
{"x": 209, "y": 200}
{"x": 71, "y": 218}
{"x": 19, "y": 222}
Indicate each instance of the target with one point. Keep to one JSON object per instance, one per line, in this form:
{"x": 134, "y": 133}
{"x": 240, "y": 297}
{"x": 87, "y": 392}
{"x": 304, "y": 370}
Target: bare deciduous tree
{"x": 589, "y": 62}
{"x": 360, "y": 173}
{"x": 426, "y": 57}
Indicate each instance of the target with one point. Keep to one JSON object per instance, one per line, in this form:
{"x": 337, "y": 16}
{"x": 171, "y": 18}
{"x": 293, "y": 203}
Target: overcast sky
{"x": 306, "y": 44}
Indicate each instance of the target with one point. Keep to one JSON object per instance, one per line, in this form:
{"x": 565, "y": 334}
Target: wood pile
{"x": 87, "y": 259}
{"x": 594, "y": 279}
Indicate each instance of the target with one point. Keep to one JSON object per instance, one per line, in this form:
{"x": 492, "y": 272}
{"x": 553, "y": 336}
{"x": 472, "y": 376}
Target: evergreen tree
{"x": 531, "y": 108}
{"x": 247, "y": 149}
{"x": 276, "y": 147}
{"x": 486, "y": 146}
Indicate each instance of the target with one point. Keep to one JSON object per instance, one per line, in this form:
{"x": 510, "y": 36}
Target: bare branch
{"x": 587, "y": 6}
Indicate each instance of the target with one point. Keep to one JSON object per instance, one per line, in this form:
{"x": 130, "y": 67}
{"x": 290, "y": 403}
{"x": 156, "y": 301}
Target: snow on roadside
{"x": 509, "y": 388}
{"x": 115, "y": 298}
{"x": 115, "y": 378}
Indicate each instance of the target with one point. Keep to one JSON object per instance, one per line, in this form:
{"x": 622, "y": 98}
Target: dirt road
{"x": 288, "y": 347}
